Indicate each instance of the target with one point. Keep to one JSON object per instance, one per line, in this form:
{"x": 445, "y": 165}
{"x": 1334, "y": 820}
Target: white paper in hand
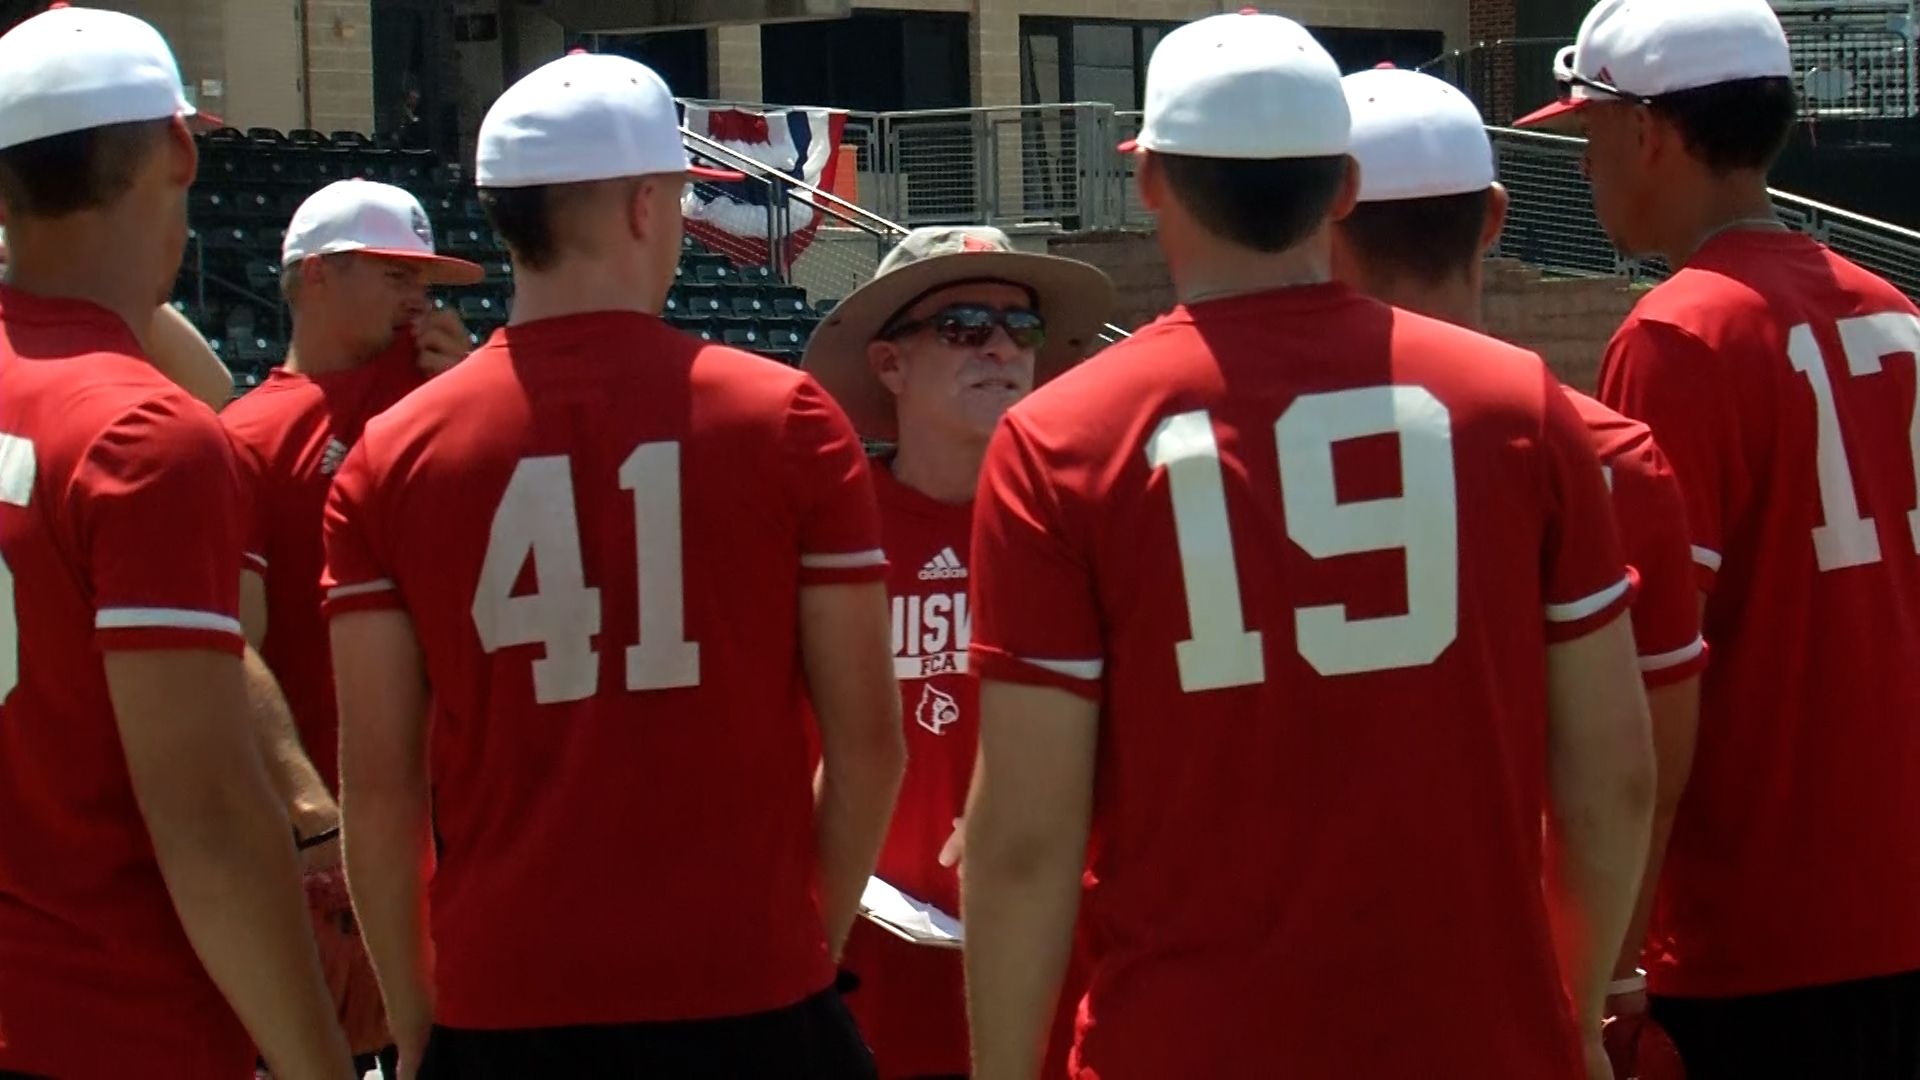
{"x": 909, "y": 918}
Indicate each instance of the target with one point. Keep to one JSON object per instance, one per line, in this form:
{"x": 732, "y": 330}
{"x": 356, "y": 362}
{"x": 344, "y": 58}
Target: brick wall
{"x": 340, "y": 52}
{"x": 242, "y": 58}
{"x": 1495, "y": 20}
{"x": 1566, "y": 321}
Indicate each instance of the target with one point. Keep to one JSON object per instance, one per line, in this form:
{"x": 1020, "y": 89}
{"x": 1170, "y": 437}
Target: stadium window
{"x": 1103, "y": 60}
{"x": 680, "y": 56}
{"x": 870, "y": 61}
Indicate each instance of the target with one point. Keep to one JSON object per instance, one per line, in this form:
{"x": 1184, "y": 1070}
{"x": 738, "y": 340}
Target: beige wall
{"x": 249, "y": 52}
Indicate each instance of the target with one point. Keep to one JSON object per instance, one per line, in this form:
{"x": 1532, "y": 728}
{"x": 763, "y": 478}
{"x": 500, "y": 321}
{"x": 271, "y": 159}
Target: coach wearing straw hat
{"x": 955, "y": 327}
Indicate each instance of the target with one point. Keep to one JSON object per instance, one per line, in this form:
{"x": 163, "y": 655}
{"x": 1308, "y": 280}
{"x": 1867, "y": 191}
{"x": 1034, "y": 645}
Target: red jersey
{"x": 1779, "y": 379}
{"x": 1652, "y": 516}
{"x": 1308, "y": 552}
{"x": 290, "y": 436}
{"x": 118, "y": 531}
{"x": 600, "y": 527}
{"x": 912, "y": 1003}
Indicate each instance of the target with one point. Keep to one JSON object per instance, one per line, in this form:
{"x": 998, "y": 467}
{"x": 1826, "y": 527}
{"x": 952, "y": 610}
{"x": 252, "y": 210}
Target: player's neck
{"x": 943, "y": 469}
{"x": 1218, "y": 271}
{"x": 581, "y": 286}
{"x": 83, "y": 260}
{"x": 1737, "y": 201}
{"x": 315, "y": 352}
{"x": 1455, "y": 300}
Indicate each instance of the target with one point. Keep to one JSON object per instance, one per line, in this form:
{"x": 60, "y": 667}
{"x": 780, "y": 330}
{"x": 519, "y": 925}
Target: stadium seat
{"x": 467, "y": 243}
{"x": 256, "y": 351}
{"x": 306, "y": 137}
{"x": 226, "y": 136}
{"x": 266, "y": 136}
{"x": 255, "y": 204}
{"x": 353, "y": 139}
{"x": 748, "y": 305}
{"x": 741, "y": 338}
{"x": 757, "y": 275}
{"x": 701, "y": 300}
{"x": 785, "y": 335}
{"x": 206, "y": 207}
{"x": 263, "y": 277}
{"x": 825, "y": 306}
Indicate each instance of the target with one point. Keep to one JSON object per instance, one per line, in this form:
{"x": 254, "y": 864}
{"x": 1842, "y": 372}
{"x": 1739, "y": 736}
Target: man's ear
{"x": 1497, "y": 202}
{"x": 884, "y": 359}
{"x": 1150, "y": 180}
{"x": 1348, "y": 196}
{"x": 183, "y": 156}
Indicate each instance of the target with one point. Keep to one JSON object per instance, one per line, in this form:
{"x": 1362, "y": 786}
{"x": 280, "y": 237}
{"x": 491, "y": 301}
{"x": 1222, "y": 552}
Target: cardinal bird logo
{"x": 938, "y": 710}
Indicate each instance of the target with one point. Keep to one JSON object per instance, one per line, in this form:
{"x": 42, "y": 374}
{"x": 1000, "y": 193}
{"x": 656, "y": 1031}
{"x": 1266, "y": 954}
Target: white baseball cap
{"x": 372, "y": 219}
{"x": 69, "y": 69}
{"x": 580, "y": 118}
{"x": 1246, "y": 86}
{"x": 1415, "y": 137}
{"x": 1636, "y": 49}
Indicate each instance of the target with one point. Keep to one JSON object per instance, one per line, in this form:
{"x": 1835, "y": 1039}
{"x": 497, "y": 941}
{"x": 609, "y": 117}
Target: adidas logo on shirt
{"x": 945, "y": 566}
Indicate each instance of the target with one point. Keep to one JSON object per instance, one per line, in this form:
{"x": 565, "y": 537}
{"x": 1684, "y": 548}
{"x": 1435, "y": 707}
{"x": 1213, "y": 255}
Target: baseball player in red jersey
{"x": 356, "y": 262}
{"x": 1331, "y": 593}
{"x": 1779, "y": 379}
{"x": 1429, "y": 207}
{"x": 954, "y": 327}
{"x": 617, "y": 562}
{"x": 148, "y": 888}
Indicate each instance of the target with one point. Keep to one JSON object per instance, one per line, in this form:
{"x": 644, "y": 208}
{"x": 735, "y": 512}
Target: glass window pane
{"x": 1103, "y": 64}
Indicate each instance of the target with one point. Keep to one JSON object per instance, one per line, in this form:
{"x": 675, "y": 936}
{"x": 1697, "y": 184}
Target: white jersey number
{"x": 537, "y": 517}
{"x": 16, "y": 489}
{"x": 1848, "y": 538}
{"x": 1421, "y": 522}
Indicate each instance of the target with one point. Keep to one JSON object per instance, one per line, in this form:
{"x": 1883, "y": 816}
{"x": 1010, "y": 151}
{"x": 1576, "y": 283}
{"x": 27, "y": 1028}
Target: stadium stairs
{"x": 252, "y": 181}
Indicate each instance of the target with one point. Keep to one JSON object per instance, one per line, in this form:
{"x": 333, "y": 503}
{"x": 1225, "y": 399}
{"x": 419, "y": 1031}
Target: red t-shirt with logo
{"x": 911, "y": 1004}
{"x": 290, "y": 436}
{"x": 1651, "y": 513}
{"x": 1308, "y": 553}
{"x": 600, "y": 528}
{"x": 119, "y": 530}
{"x": 1779, "y": 379}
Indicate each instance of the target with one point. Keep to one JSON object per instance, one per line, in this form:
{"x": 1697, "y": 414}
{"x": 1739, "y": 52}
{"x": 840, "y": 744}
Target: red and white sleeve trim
{"x": 164, "y": 619}
{"x": 1588, "y": 606}
{"x": 853, "y": 560}
{"x": 346, "y": 592}
{"x": 1080, "y": 677}
{"x": 1706, "y": 558}
{"x": 1578, "y": 618}
{"x": 257, "y": 561}
{"x": 1662, "y": 669}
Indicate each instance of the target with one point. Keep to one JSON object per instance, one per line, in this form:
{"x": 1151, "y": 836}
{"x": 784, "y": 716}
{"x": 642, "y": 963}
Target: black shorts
{"x": 813, "y": 1040}
{"x": 1868, "y": 1029}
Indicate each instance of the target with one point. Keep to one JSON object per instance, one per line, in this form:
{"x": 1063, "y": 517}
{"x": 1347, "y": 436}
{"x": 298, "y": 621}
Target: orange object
{"x": 846, "y": 174}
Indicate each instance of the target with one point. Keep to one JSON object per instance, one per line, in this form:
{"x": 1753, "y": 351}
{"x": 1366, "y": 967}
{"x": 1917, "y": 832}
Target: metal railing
{"x": 1551, "y": 222}
{"x": 1064, "y": 166}
{"x": 850, "y": 240}
{"x": 1852, "y": 59}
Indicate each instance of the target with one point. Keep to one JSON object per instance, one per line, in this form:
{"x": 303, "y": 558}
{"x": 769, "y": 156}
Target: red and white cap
{"x": 1415, "y": 137}
{"x": 372, "y": 219}
{"x": 581, "y": 118}
{"x": 1246, "y": 86}
{"x": 1635, "y": 49}
{"x": 70, "y": 69}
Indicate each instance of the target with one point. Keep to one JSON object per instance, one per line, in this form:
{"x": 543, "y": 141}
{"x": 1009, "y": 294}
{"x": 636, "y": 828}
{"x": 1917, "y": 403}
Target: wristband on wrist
{"x": 1632, "y": 984}
{"x": 302, "y": 843}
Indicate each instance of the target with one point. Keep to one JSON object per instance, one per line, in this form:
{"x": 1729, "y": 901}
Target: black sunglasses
{"x": 1567, "y": 80}
{"x": 970, "y": 326}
